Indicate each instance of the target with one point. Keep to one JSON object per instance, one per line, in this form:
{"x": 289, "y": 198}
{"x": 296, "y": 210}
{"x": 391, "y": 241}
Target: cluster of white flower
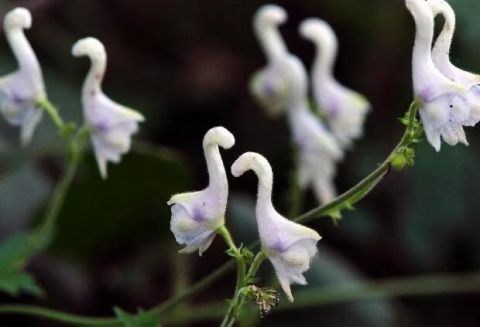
{"x": 283, "y": 87}
{"x": 449, "y": 97}
{"x": 111, "y": 125}
{"x": 196, "y": 216}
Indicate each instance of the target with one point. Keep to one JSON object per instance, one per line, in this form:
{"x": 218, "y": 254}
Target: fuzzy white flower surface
{"x": 197, "y": 215}
{"x": 21, "y": 90}
{"x": 345, "y": 110}
{"x": 318, "y": 150}
{"x": 289, "y": 246}
{"x": 112, "y": 124}
{"x": 444, "y": 105}
{"x": 268, "y": 85}
{"x": 441, "y": 58}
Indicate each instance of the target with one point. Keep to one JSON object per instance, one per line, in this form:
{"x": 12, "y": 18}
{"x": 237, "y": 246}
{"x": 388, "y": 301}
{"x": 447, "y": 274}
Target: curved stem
{"x": 31, "y": 310}
{"x": 44, "y": 232}
{"x": 50, "y": 109}
{"x": 432, "y": 284}
{"x": 343, "y": 201}
{"x": 360, "y": 190}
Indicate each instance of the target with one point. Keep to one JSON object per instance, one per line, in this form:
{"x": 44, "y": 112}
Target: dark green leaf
{"x": 15, "y": 281}
{"x": 141, "y": 319}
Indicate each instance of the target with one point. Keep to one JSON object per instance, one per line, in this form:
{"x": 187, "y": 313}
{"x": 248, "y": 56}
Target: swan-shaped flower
{"x": 268, "y": 85}
{"x": 444, "y": 105}
{"x": 441, "y": 58}
{"x": 318, "y": 150}
{"x": 289, "y": 246}
{"x": 112, "y": 124}
{"x": 344, "y": 109}
{"x": 21, "y": 90}
{"x": 197, "y": 215}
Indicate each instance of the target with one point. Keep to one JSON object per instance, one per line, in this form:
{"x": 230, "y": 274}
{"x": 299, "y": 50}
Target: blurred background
{"x": 186, "y": 66}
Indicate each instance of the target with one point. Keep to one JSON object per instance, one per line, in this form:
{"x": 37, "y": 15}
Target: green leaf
{"x": 12, "y": 257}
{"x": 141, "y": 319}
{"x": 15, "y": 281}
{"x": 11, "y": 251}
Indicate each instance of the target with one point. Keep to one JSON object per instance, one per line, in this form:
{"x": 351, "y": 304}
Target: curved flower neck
{"x": 95, "y": 51}
{"x": 261, "y": 167}
{"x": 14, "y": 24}
{"x": 428, "y": 82}
{"x": 265, "y": 24}
{"x": 218, "y": 183}
{"x": 323, "y": 37}
{"x": 441, "y": 49}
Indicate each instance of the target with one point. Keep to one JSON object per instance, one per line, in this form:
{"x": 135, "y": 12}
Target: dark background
{"x": 185, "y": 64}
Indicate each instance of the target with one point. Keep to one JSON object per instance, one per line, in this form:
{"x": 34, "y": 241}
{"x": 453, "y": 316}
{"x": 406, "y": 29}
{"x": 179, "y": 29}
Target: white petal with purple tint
{"x": 197, "y": 215}
{"x": 21, "y": 90}
{"x": 268, "y": 85}
{"x": 344, "y": 109}
{"x": 112, "y": 125}
{"x": 444, "y": 103}
{"x": 289, "y": 246}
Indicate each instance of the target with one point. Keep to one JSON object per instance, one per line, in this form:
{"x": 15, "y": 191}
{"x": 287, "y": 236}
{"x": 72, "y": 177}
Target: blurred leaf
{"x": 15, "y": 281}
{"x": 12, "y": 279}
{"x": 142, "y": 319}
{"x": 11, "y": 251}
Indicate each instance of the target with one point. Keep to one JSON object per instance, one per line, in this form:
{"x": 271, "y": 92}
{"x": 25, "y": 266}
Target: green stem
{"x": 238, "y": 301}
{"x": 44, "y": 232}
{"x": 353, "y": 195}
{"x": 52, "y": 111}
{"x": 434, "y": 284}
{"x": 68, "y": 318}
{"x": 360, "y": 190}
{"x": 234, "y": 250}
{"x": 427, "y": 285}
{"x": 364, "y": 186}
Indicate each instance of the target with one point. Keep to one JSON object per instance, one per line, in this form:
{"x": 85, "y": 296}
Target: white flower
{"x": 441, "y": 58}
{"x": 289, "y": 246}
{"x": 22, "y": 89}
{"x": 112, "y": 124}
{"x": 197, "y": 215}
{"x": 318, "y": 150}
{"x": 268, "y": 85}
{"x": 444, "y": 105}
{"x": 344, "y": 109}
